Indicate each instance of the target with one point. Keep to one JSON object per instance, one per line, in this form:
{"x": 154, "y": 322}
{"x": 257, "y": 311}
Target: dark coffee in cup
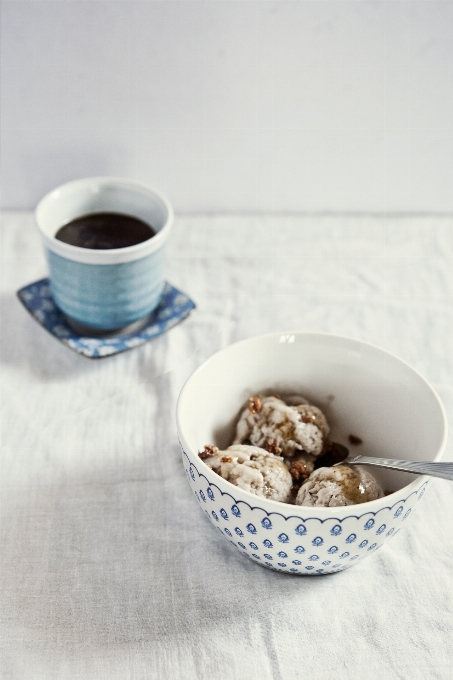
{"x": 105, "y": 231}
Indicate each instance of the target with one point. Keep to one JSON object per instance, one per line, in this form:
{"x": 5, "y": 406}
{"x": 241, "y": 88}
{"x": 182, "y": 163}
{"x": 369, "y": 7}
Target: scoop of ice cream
{"x": 339, "y": 485}
{"x": 252, "y": 469}
{"x": 282, "y": 426}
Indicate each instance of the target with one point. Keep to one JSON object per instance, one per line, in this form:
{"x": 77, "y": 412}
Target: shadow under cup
{"x": 105, "y": 291}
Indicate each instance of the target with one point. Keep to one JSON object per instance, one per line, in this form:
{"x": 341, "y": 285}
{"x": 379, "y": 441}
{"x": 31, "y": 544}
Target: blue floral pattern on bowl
{"x": 37, "y": 299}
{"x": 315, "y": 546}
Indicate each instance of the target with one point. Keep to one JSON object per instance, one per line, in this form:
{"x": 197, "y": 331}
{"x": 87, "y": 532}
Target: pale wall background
{"x": 232, "y": 105}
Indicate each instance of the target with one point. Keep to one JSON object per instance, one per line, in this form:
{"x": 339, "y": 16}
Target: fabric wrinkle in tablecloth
{"x": 109, "y": 568}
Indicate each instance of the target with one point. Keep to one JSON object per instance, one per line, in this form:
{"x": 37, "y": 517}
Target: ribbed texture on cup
{"x": 107, "y": 297}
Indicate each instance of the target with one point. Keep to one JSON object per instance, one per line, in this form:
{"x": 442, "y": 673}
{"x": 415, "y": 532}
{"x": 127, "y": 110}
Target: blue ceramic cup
{"x": 105, "y": 290}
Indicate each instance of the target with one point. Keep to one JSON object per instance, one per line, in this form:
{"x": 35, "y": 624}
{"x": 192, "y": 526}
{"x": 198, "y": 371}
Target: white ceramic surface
{"x": 363, "y": 391}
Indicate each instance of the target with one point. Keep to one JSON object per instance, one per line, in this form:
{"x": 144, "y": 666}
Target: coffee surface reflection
{"x": 105, "y": 231}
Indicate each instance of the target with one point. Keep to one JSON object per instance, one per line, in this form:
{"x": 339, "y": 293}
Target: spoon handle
{"x": 443, "y": 470}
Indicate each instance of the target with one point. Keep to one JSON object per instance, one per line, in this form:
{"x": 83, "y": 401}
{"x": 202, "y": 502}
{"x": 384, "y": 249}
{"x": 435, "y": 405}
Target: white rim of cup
{"x": 108, "y": 256}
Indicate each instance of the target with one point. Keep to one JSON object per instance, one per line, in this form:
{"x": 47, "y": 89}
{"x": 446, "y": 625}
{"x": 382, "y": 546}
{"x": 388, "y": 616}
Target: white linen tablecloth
{"x": 110, "y": 569}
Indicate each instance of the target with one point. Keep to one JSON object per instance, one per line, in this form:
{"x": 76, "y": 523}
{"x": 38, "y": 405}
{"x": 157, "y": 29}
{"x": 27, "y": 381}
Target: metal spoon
{"x": 443, "y": 470}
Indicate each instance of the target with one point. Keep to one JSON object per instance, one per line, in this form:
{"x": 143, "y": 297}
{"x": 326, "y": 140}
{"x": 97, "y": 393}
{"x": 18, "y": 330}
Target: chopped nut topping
{"x": 254, "y": 405}
{"x": 307, "y": 418}
{"x": 208, "y": 452}
{"x": 299, "y": 471}
{"x": 272, "y": 447}
{"x": 226, "y": 459}
{"x": 277, "y": 396}
{"x": 354, "y": 440}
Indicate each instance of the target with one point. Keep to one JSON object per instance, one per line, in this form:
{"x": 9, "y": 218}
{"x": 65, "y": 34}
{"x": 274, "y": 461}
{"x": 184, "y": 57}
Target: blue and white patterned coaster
{"x": 37, "y": 299}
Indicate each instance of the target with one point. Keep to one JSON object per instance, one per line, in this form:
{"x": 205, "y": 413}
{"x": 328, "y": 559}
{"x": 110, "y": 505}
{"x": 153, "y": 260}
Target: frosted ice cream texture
{"x": 278, "y": 445}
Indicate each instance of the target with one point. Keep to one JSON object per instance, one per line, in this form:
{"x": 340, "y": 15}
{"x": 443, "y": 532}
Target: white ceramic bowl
{"x": 363, "y": 391}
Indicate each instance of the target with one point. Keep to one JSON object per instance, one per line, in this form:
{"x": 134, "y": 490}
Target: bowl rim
{"x": 408, "y": 489}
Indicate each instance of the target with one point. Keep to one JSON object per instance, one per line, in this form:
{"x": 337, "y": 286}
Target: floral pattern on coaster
{"x": 37, "y": 299}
